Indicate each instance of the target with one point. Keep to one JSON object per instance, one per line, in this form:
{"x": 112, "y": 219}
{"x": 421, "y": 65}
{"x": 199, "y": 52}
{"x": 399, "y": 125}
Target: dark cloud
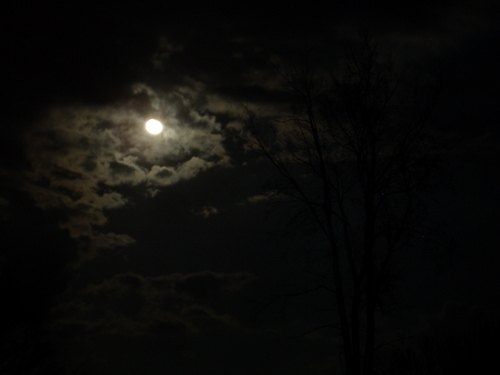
{"x": 192, "y": 319}
{"x": 132, "y": 280}
{"x": 129, "y": 304}
{"x": 120, "y": 168}
{"x": 210, "y": 284}
{"x": 66, "y": 174}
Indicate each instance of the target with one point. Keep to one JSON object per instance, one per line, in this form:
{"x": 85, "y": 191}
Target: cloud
{"x": 164, "y": 52}
{"x": 133, "y": 305}
{"x": 208, "y": 211}
{"x": 268, "y": 196}
{"x": 199, "y": 284}
{"x": 82, "y": 156}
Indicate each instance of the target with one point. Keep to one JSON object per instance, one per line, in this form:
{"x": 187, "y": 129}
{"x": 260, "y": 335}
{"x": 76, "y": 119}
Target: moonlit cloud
{"x": 272, "y": 194}
{"x": 80, "y": 156}
{"x": 208, "y": 211}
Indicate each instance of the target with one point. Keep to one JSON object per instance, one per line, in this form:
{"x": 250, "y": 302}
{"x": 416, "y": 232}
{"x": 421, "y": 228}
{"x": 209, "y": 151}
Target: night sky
{"x": 125, "y": 253}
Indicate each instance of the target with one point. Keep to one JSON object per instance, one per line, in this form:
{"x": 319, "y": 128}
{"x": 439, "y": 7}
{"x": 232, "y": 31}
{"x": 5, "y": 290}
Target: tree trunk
{"x": 370, "y": 283}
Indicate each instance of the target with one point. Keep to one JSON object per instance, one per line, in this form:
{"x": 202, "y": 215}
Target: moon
{"x": 154, "y": 126}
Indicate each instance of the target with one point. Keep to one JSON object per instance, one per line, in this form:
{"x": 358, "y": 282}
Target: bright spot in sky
{"x": 154, "y": 126}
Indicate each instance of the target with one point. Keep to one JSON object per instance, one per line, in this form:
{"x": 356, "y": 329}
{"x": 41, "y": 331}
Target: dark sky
{"x": 134, "y": 253}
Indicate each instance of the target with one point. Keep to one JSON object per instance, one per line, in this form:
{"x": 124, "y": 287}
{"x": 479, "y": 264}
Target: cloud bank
{"x": 133, "y": 305}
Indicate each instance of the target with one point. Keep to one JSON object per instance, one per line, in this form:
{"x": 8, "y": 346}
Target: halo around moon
{"x": 154, "y": 126}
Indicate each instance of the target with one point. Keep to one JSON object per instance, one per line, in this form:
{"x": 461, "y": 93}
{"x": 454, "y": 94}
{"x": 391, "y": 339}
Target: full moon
{"x": 154, "y": 126}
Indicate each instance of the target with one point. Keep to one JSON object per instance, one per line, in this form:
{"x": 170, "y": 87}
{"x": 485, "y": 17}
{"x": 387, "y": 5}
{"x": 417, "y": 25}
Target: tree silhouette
{"x": 355, "y": 156}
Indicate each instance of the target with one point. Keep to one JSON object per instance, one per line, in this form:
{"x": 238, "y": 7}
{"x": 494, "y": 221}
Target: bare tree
{"x": 355, "y": 155}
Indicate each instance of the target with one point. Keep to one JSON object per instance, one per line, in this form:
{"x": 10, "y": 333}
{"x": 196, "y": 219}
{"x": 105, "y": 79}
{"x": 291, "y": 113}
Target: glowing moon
{"x": 154, "y": 126}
